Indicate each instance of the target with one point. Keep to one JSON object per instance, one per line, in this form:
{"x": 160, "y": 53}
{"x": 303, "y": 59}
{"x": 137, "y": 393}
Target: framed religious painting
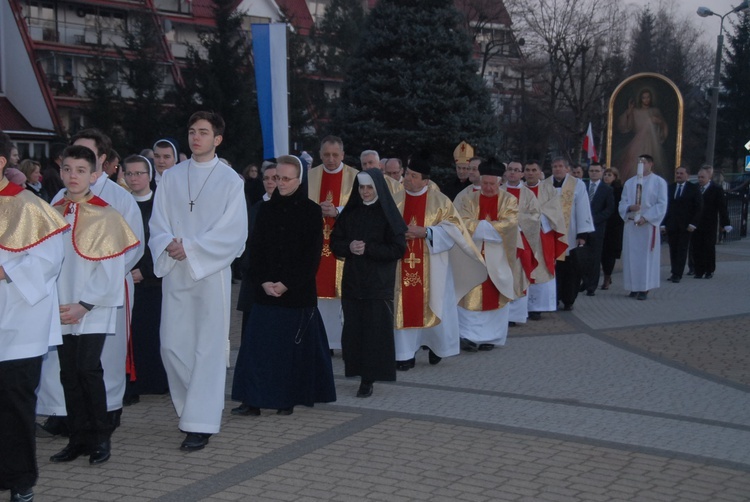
{"x": 645, "y": 117}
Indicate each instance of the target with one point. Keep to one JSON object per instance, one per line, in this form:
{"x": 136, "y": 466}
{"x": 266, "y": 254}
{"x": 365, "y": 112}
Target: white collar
{"x": 335, "y": 171}
{"x": 266, "y": 197}
{"x": 143, "y": 198}
{"x": 417, "y": 194}
{"x": 209, "y": 163}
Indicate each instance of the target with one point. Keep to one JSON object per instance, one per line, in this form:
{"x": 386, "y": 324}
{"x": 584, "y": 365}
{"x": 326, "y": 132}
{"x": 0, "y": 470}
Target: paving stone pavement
{"x": 618, "y": 400}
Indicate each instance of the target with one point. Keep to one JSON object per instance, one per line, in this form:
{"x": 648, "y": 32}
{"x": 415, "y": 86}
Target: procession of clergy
{"x": 491, "y": 253}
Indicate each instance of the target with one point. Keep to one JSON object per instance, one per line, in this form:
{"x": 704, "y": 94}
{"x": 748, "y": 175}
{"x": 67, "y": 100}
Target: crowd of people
{"x": 116, "y": 275}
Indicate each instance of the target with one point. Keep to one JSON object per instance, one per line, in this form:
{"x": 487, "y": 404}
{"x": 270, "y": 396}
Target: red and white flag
{"x": 588, "y": 145}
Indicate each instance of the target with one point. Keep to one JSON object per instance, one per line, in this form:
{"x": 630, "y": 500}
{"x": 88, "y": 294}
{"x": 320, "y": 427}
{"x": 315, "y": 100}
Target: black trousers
{"x": 679, "y": 243}
{"x": 19, "y": 379}
{"x": 568, "y": 280}
{"x": 703, "y": 246}
{"x": 591, "y": 278}
{"x": 82, "y": 378}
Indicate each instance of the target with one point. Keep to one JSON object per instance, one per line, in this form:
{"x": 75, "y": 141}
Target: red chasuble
{"x": 412, "y": 265}
{"x": 490, "y": 294}
{"x": 526, "y": 255}
{"x": 551, "y": 245}
{"x": 330, "y": 190}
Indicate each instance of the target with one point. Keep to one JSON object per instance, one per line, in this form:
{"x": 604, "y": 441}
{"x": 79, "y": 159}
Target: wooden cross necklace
{"x": 192, "y": 200}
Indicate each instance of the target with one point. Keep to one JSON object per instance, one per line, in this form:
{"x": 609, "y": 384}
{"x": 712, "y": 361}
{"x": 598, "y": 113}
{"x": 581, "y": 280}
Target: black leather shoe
{"x": 194, "y": 441}
{"x": 676, "y": 279}
{"x": 535, "y": 316}
{"x": 642, "y": 295}
{"x": 365, "y": 390}
{"x": 633, "y": 294}
{"x": 245, "y": 410}
{"x": 101, "y": 453}
{"x": 590, "y": 293}
{"x": 285, "y": 411}
{"x": 433, "y": 358}
{"x": 406, "y": 365}
{"x": 131, "y": 400}
{"x": 485, "y": 347}
{"x": 511, "y": 324}
{"x": 567, "y": 307}
{"x": 698, "y": 276}
{"x": 709, "y": 276}
{"x": 69, "y": 453}
{"x": 468, "y": 345}
{"x": 53, "y": 426}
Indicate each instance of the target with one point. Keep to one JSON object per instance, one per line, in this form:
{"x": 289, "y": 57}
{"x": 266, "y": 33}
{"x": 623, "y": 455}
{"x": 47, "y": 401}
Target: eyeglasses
{"x": 285, "y": 179}
{"x": 132, "y": 174}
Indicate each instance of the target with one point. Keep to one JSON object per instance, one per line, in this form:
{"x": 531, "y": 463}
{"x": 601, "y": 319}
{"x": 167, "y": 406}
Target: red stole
{"x": 330, "y": 190}
{"x": 412, "y": 265}
{"x": 490, "y": 294}
{"x": 526, "y": 255}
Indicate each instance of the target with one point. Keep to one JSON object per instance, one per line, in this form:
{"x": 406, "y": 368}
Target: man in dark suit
{"x": 683, "y": 213}
{"x": 703, "y": 240}
{"x": 602, "y": 203}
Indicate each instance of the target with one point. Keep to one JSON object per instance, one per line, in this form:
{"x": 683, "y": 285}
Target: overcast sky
{"x": 709, "y": 25}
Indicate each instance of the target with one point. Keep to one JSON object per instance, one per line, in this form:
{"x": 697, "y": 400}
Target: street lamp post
{"x": 706, "y": 12}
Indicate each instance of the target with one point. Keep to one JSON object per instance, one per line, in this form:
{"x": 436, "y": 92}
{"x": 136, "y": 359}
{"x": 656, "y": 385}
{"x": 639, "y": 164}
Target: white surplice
{"x": 50, "y": 397}
{"x": 641, "y": 244}
{"x": 197, "y": 291}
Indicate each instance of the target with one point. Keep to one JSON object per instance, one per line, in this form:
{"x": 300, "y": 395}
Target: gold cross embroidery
{"x": 412, "y": 260}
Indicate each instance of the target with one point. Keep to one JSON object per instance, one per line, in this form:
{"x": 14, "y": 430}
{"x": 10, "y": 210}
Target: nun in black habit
{"x": 369, "y": 236}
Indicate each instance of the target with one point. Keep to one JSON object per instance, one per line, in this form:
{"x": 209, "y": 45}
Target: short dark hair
{"x": 561, "y": 159}
{"x": 80, "y": 152}
{"x": 113, "y": 155}
{"x": 101, "y": 140}
{"x": 5, "y": 145}
{"x": 213, "y": 118}
{"x": 647, "y": 157}
{"x": 332, "y": 139}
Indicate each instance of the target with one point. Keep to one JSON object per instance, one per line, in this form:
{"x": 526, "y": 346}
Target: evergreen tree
{"x": 142, "y": 71}
{"x": 642, "y": 54}
{"x": 413, "y": 85}
{"x": 734, "y": 120}
{"x": 220, "y": 78}
{"x": 336, "y": 36}
{"x": 101, "y": 87}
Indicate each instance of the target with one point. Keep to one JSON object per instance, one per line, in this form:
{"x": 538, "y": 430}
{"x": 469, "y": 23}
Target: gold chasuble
{"x": 25, "y": 219}
{"x": 567, "y": 196}
{"x": 420, "y": 276}
{"x": 501, "y": 211}
{"x": 553, "y": 232}
{"x": 529, "y": 253}
{"x": 99, "y": 231}
{"x": 334, "y": 188}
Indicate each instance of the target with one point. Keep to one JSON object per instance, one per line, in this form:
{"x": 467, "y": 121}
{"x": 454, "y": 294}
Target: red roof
{"x": 298, "y": 14}
{"x": 12, "y": 120}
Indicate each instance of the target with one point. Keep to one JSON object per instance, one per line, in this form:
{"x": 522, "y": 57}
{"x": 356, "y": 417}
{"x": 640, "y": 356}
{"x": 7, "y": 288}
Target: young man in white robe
{"x": 198, "y": 227}
{"x": 641, "y": 240}
{"x": 31, "y": 253}
{"x": 114, "y": 355}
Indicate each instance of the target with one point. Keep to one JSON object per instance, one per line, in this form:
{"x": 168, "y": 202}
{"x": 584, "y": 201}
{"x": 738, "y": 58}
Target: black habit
{"x": 368, "y": 281}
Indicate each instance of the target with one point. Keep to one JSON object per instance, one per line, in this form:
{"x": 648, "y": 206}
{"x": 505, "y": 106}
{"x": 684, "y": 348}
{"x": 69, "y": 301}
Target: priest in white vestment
{"x": 198, "y": 227}
{"x": 641, "y": 244}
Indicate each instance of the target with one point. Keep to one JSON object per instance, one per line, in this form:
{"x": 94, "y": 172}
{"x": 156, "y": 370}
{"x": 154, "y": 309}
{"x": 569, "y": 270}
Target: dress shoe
{"x": 535, "y": 316}
{"x": 633, "y": 294}
{"x": 698, "y": 276}
{"x": 676, "y": 279}
{"x": 406, "y": 365}
{"x": 53, "y": 426}
{"x": 709, "y": 276}
{"x": 101, "y": 453}
{"x": 365, "y": 390}
{"x": 690, "y": 272}
{"x": 245, "y": 410}
{"x": 511, "y": 324}
{"x": 485, "y": 347}
{"x": 642, "y": 295}
{"x": 194, "y": 441}
{"x": 26, "y": 495}
{"x": 568, "y": 307}
{"x": 590, "y": 293}
{"x": 69, "y": 453}
{"x": 433, "y": 358}
{"x": 468, "y": 345}
{"x": 131, "y": 400}
{"x": 285, "y": 412}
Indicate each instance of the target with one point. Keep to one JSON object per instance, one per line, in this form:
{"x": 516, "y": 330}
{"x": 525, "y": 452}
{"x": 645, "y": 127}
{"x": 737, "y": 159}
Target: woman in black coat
{"x": 612, "y": 247}
{"x": 284, "y": 358}
{"x": 369, "y": 235}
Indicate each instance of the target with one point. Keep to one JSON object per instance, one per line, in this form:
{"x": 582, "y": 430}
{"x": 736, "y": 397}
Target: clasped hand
{"x": 72, "y": 313}
{"x": 275, "y": 289}
{"x": 357, "y": 247}
{"x": 175, "y": 250}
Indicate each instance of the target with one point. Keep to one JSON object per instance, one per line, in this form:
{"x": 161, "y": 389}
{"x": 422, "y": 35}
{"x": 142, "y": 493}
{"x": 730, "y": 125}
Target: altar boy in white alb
{"x": 198, "y": 227}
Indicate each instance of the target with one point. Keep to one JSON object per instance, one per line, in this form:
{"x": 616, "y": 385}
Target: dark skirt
{"x": 284, "y": 359}
{"x": 367, "y": 340}
{"x": 149, "y": 369}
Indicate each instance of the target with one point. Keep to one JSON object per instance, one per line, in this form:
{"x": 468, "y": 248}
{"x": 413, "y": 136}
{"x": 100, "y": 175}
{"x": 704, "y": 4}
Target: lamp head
{"x": 744, "y": 5}
{"x": 705, "y": 12}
